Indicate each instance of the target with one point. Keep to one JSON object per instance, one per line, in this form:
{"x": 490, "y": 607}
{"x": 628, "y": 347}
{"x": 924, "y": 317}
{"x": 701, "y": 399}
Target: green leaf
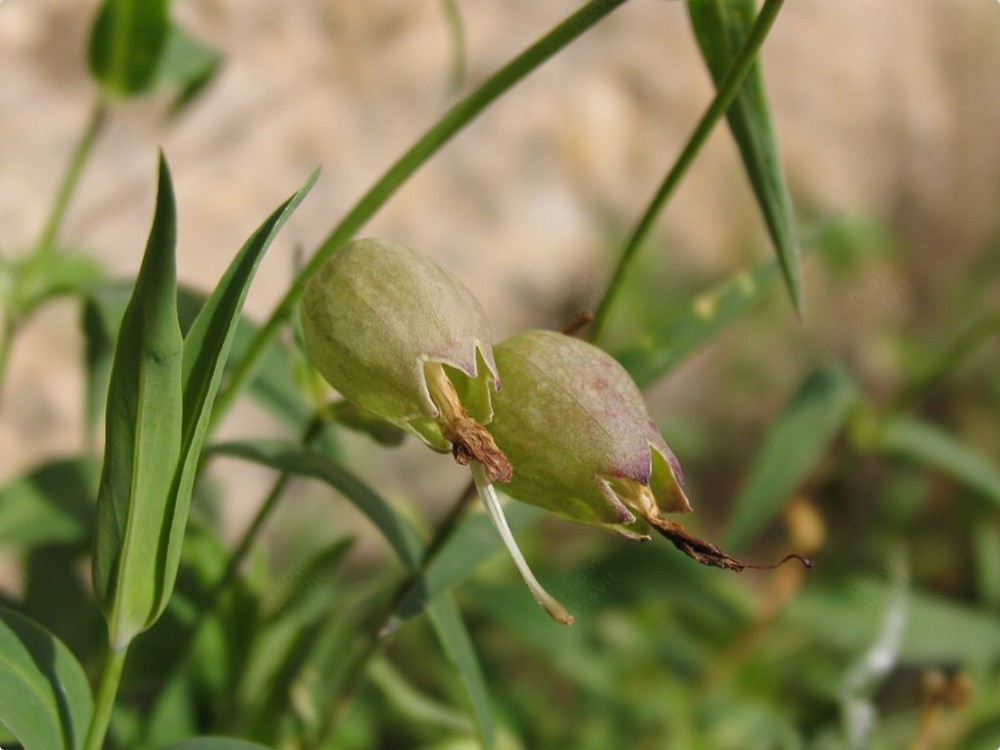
{"x": 52, "y": 504}
{"x": 721, "y": 27}
{"x": 214, "y": 743}
{"x": 101, "y": 320}
{"x": 187, "y": 64}
{"x": 44, "y": 696}
{"x": 472, "y": 544}
{"x": 126, "y": 44}
{"x": 303, "y": 462}
{"x": 135, "y": 503}
{"x": 404, "y": 541}
{"x": 206, "y": 350}
{"x": 792, "y": 448}
{"x": 916, "y": 440}
{"x": 663, "y": 349}
{"x": 454, "y": 637}
{"x": 28, "y": 283}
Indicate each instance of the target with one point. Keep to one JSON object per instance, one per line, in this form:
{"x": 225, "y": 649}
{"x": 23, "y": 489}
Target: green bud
{"x": 397, "y": 336}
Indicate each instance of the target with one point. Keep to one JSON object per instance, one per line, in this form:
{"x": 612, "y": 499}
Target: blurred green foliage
{"x": 887, "y": 476}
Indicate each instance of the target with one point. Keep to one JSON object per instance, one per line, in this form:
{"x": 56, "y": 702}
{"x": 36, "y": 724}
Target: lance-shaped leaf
{"x": 44, "y": 696}
{"x": 721, "y": 27}
{"x": 206, "y": 349}
{"x": 159, "y": 408}
{"x": 143, "y": 439}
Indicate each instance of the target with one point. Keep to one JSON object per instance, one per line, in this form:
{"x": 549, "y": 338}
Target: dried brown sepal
{"x": 471, "y": 442}
{"x": 707, "y": 553}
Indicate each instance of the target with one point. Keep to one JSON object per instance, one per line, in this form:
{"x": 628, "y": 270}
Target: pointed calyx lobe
{"x": 396, "y": 335}
{"x": 576, "y": 429}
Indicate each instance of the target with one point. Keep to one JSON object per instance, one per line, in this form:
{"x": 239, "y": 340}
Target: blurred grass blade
{"x": 451, "y": 632}
{"x": 412, "y": 703}
{"x": 45, "y": 700}
{"x": 472, "y": 544}
{"x": 960, "y": 349}
{"x": 144, "y": 421}
{"x": 792, "y": 448}
{"x": 214, "y": 743}
{"x": 846, "y": 615}
{"x": 663, "y": 349}
{"x": 721, "y": 27}
{"x": 916, "y": 440}
{"x": 188, "y": 64}
{"x": 101, "y": 320}
{"x": 295, "y": 460}
{"x": 126, "y": 43}
{"x": 456, "y": 36}
{"x": 52, "y": 504}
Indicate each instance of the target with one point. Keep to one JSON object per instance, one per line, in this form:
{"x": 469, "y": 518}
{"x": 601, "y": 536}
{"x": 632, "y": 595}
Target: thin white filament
{"x": 492, "y": 504}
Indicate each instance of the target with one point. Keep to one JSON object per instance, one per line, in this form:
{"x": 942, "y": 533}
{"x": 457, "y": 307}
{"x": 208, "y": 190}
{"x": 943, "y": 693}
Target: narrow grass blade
{"x": 126, "y": 43}
{"x": 456, "y": 36}
{"x": 295, "y": 460}
{"x": 728, "y": 89}
{"x": 45, "y": 700}
{"x": 51, "y": 505}
{"x": 188, "y": 64}
{"x": 792, "y": 448}
{"x": 919, "y": 441}
{"x": 454, "y": 637}
{"x": 143, "y": 427}
{"x": 663, "y": 349}
{"x": 474, "y": 543}
{"x": 721, "y": 27}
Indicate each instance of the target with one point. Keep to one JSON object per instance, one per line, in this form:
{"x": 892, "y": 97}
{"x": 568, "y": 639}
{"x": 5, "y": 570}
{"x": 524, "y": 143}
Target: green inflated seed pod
{"x": 396, "y": 335}
{"x": 576, "y": 430}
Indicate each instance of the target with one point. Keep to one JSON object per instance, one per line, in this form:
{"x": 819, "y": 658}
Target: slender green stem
{"x": 85, "y": 146}
{"x": 107, "y": 690}
{"x": 727, "y": 92}
{"x": 6, "y": 341}
{"x": 453, "y": 121}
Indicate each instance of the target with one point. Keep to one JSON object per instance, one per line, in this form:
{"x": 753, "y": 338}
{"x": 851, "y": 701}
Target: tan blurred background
{"x": 884, "y": 108}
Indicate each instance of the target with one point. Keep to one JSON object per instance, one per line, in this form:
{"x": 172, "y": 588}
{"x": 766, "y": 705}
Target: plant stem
{"x": 724, "y": 97}
{"x": 453, "y": 121}
{"x": 6, "y": 342}
{"x": 85, "y": 146}
{"x": 107, "y": 689}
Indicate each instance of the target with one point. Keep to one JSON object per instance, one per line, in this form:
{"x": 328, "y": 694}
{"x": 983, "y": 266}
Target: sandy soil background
{"x": 887, "y": 108}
